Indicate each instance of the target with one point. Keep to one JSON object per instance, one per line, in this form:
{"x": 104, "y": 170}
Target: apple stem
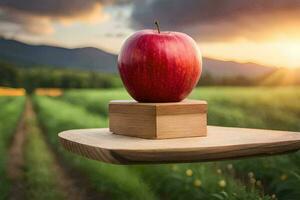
{"x": 157, "y": 26}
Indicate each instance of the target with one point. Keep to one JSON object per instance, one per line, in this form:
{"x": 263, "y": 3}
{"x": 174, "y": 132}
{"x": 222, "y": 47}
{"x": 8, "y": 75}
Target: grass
{"x": 11, "y": 109}
{"x": 94, "y": 100}
{"x": 253, "y": 178}
{"x": 259, "y": 107}
{"x": 123, "y": 179}
{"x": 41, "y": 179}
{"x": 196, "y": 181}
{"x": 118, "y": 182}
{"x": 267, "y": 108}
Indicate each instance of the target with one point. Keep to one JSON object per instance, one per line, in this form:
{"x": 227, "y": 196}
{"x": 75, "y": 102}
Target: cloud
{"x": 205, "y": 20}
{"x": 23, "y": 23}
{"x": 214, "y": 20}
{"x": 58, "y": 8}
{"x": 38, "y": 16}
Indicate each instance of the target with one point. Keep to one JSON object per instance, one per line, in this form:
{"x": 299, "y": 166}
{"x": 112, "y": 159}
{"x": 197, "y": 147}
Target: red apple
{"x": 159, "y": 66}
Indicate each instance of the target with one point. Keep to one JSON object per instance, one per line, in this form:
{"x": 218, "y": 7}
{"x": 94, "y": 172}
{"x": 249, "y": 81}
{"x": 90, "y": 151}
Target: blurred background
{"x": 58, "y": 71}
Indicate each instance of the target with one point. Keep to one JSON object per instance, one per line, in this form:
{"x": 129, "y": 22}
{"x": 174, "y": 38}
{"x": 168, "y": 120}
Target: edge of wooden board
{"x": 178, "y": 155}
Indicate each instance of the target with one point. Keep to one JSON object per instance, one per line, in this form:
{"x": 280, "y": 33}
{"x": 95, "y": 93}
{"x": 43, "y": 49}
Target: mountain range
{"x": 93, "y": 59}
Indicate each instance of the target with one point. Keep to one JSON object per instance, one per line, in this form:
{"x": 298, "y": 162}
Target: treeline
{"x": 31, "y": 78}
{"x": 278, "y": 77}
{"x": 47, "y": 77}
{"x": 208, "y": 80}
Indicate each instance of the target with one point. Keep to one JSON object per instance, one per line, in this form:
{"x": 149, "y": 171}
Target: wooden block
{"x": 158, "y": 120}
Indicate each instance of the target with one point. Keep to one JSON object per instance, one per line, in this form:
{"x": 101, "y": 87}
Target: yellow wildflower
{"x": 197, "y": 183}
{"x": 283, "y": 177}
{"x": 189, "y": 172}
{"x": 252, "y": 180}
{"x": 251, "y": 174}
{"x": 219, "y": 171}
{"x": 175, "y": 168}
{"x": 222, "y": 183}
{"x": 258, "y": 183}
{"x": 229, "y": 166}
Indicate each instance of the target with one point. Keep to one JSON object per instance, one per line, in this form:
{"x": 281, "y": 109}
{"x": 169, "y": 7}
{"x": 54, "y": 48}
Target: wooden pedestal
{"x": 221, "y": 143}
{"x": 158, "y": 120}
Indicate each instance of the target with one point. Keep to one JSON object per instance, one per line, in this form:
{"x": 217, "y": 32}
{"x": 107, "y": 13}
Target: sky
{"x": 264, "y": 32}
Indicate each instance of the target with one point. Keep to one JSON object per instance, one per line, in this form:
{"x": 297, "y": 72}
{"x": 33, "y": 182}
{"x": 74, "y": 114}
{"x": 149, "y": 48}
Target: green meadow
{"x": 275, "y": 177}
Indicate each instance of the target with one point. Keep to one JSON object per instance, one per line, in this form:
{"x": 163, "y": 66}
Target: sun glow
{"x": 291, "y": 52}
{"x": 282, "y": 77}
{"x": 280, "y": 53}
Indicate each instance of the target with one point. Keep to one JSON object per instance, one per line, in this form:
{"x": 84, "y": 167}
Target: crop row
{"x": 270, "y": 108}
{"x": 41, "y": 178}
{"x": 94, "y": 100}
{"x": 10, "y": 112}
{"x": 172, "y": 181}
{"x": 119, "y": 182}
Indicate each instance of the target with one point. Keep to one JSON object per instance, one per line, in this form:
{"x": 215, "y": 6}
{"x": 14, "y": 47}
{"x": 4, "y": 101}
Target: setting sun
{"x": 291, "y": 52}
{"x": 284, "y": 53}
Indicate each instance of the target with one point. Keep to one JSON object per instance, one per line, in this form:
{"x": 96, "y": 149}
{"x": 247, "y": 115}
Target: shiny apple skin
{"x": 159, "y": 67}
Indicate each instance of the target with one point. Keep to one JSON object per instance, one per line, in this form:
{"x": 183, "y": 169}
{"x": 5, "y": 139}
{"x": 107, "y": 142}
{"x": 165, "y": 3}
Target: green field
{"x": 41, "y": 180}
{"x": 10, "y": 111}
{"x": 271, "y": 108}
{"x": 276, "y": 177}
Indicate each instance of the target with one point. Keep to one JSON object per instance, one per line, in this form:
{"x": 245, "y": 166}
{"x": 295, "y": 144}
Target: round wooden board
{"x": 221, "y": 143}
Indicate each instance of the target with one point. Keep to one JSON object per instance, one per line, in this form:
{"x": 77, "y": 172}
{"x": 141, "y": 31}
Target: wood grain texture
{"x": 220, "y": 143}
{"x": 187, "y": 106}
{"x": 158, "y": 120}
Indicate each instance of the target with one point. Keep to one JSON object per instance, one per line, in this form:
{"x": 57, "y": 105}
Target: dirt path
{"x": 68, "y": 184}
{"x": 15, "y": 166}
{"x": 72, "y": 186}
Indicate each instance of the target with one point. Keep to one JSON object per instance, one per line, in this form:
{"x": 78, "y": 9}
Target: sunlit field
{"x": 10, "y": 111}
{"x": 53, "y": 92}
{"x": 276, "y": 177}
{"x": 4, "y": 91}
{"x": 254, "y": 178}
